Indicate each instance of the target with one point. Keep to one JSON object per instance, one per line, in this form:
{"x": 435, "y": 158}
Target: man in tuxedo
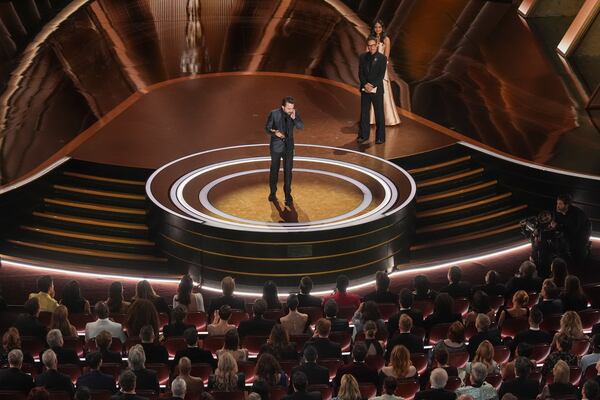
{"x": 413, "y": 343}
{"x": 300, "y": 384}
{"x": 382, "y": 292}
{"x": 533, "y": 335}
{"x": 456, "y": 287}
{"x": 550, "y": 302}
{"x": 337, "y": 324}
{"x": 51, "y": 379}
{"x": 325, "y": 347}
{"x": 127, "y": 383}
{"x": 438, "y": 380}
{"x": 371, "y": 70}
{"x": 155, "y": 353}
{"x": 13, "y": 378}
{"x": 193, "y": 352}
{"x": 94, "y": 379}
{"x": 305, "y": 299}
{"x": 357, "y": 368}
{"x": 280, "y": 126}
{"x": 406, "y": 303}
{"x": 257, "y": 325}
{"x": 227, "y": 287}
{"x": 315, "y": 373}
{"x": 522, "y": 387}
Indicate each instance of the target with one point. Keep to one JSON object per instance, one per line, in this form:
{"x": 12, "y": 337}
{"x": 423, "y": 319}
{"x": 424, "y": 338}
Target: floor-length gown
{"x": 389, "y": 107}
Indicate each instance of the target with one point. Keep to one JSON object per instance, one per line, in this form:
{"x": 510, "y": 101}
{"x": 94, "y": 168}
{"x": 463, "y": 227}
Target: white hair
{"x": 136, "y": 357}
{"x": 54, "y": 338}
{"x": 15, "y": 358}
{"x": 178, "y": 387}
{"x": 438, "y": 378}
{"x": 478, "y": 372}
{"x": 49, "y": 359}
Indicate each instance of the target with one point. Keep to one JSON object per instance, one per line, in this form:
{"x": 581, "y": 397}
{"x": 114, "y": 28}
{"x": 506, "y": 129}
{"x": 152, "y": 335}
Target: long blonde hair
{"x": 60, "y": 321}
{"x": 485, "y": 354}
{"x": 226, "y": 373}
{"x": 570, "y": 325}
{"x": 400, "y": 361}
{"x": 349, "y": 388}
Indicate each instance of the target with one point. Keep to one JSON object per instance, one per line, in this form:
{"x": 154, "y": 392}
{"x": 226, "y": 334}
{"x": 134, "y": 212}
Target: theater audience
{"x": 533, "y": 335}
{"x": 60, "y": 321}
{"x": 518, "y": 310}
{"x": 389, "y": 389}
{"x": 45, "y": 294}
{"x": 570, "y": 326}
{"x": 56, "y": 342}
{"x": 231, "y": 345}
{"x": 521, "y": 386}
{"x": 382, "y": 292}
{"x": 480, "y": 304}
{"x": 38, "y": 393}
{"x": 572, "y": 297}
{"x": 440, "y": 360}
{"x": 400, "y": 365}
{"x": 155, "y": 353}
{"x": 300, "y": 387}
{"x": 193, "y": 302}
{"x": 226, "y": 378}
{"x": 484, "y": 332}
{"x": 594, "y": 356}
{"x": 104, "y": 342}
{"x": 227, "y": 287}
{"x": 279, "y": 344}
{"x": 549, "y": 303}
{"x": 558, "y": 272}
{"x": 341, "y": 295}
{"x": 337, "y": 324}
{"x": 257, "y": 325}
{"x": 406, "y": 304}
{"x": 192, "y": 351}
{"x": 507, "y": 370}
{"x": 11, "y": 340}
{"x": 145, "y": 291}
{"x": 270, "y": 295}
{"x": 12, "y": 378}
{"x": 526, "y": 279}
{"x": 115, "y": 301}
{"x": 590, "y": 390}
{"x": 375, "y": 347}
{"x": 269, "y": 371}
{"x": 485, "y": 356}
{"x": 349, "y": 389}
{"x": 438, "y": 380}
{"x": 92, "y": 329}
{"x": 94, "y": 379}
{"x": 295, "y": 322}
{"x": 563, "y": 352}
{"x": 325, "y": 347}
{"x": 443, "y": 311}
{"x": 456, "y": 287}
{"x": 422, "y": 289}
{"x": 177, "y": 325}
{"x": 178, "y": 389}
{"x": 316, "y": 374}
{"x": 141, "y": 313}
{"x": 220, "y": 325}
{"x": 358, "y": 368}
{"x": 72, "y": 299}
{"x": 51, "y": 379}
{"x": 413, "y": 343}
{"x": 455, "y": 341}
{"x": 305, "y": 299}
{"x": 561, "y": 385}
{"x": 28, "y": 322}
{"x": 128, "y": 385}
{"x": 194, "y": 385}
{"x": 368, "y": 312}
{"x": 492, "y": 287}
{"x": 478, "y": 387}
{"x": 146, "y": 379}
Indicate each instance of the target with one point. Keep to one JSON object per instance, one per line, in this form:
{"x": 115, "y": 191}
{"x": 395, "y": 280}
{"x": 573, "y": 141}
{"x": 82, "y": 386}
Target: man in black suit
{"x": 127, "y": 383}
{"x": 526, "y": 279}
{"x": 534, "y": 335}
{"x": 575, "y": 226}
{"x": 94, "y": 379}
{"x": 280, "y": 126}
{"x": 325, "y": 347}
{"x": 300, "y": 384}
{"x": 56, "y": 342}
{"x": 315, "y": 373}
{"x": 51, "y": 379}
{"x": 305, "y": 299}
{"x": 337, "y": 324}
{"x": 413, "y": 343}
{"x": 406, "y": 303}
{"x": 382, "y": 292}
{"x": 155, "y": 353}
{"x": 193, "y": 352}
{"x": 522, "y": 387}
{"x": 482, "y": 324}
{"x": 371, "y": 71}
{"x": 28, "y": 323}
{"x": 178, "y": 389}
{"x": 257, "y": 325}
{"x": 357, "y": 368}
{"x": 550, "y": 302}
{"x": 456, "y": 287}
{"x": 13, "y": 378}
{"x": 236, "y": 303}
{"x": 438, "y": 380}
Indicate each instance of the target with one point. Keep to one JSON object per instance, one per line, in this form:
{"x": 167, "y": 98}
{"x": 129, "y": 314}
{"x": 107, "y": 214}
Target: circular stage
{"x": 353, "y": 213}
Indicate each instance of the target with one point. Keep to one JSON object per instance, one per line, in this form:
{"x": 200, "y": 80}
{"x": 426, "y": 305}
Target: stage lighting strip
{"x": 390, "y": 198}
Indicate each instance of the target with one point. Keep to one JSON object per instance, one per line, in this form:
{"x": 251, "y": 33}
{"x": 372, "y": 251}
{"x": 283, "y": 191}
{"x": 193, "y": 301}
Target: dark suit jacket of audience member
{"x": 65, "y": 356}
{"x": 288, "y": 352}
{"x": 96, "y": 380}
{"x": 316, "y": 374}
{"x": 146, "y": 380}
{"x": 435, "y": 319}
{"x": 360, "y": 370}
{"x": 516, "y": 283}
{"x": 125, "y": 396}
{"x": 175, "y": 329}
{"x": 54, "y": 380}
{"x": 382, "y": 297}
{"x": 532, "y": 337}
{"x": 413, "y": 343}
{"x": 392, "y": 324}
{"x": 491, "y": 290}
{"x": 571, "y": 303}
{"x": 549, "y": 307}
{"x": 236, "y": 303}
{"x": 111, "y": 357}
{"x": 339, "y": 324}
{"x": 31, "y": 326}
{"x": 459, "y": 289}
{"x": 325, "y": 347}
{"x": 155, "y": 353}
{"x": 255, "y": 326}
{"x": 523, "y": 389}
{"x": 303, "y": 396}
{"x": 308, "y": 300}
{"x": 493, "y": 335}
{"x": 435, "y": 394}
{"x": 15, "y": 379}
{"x": 196, "y": 356}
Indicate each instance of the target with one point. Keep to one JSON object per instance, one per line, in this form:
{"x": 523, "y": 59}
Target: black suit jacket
{"x": 307, "y": 300}
{"x": 493, "y": 335}
{"x": 316, "y": 374}
{"x": 280, "y": 121}
{"x": 523, "y": 389}
{"x": 382, "y": 297}
{"x": 236, "y": 303}
{"x": 460, "y": 289}
{"x": 96, "y": 380}
{"x": 65, "y": 356}
{"x": 371, "y": 69}
{"x": 413, "y": 343}
{"x": 54, "y": 380}
{"x": 521, "y": 283}
{"x": 15, "y": 379}
{"x": 392, "y": 324}
{"x": 31, "y": 326}
{"x": 255, "y": 326}
{"x": 146, "y": 380}
{"x": 532, "y": 337}
{"x": 111, "y": 357}
{"x": 155, "y": 353}
{"x": 303, "y": 396}
{"x": 325, "y": 347}
{"x": 339, "y": 324}
{"x": 549, "y": 307}
{"x": 435, "y": 394}
{"x": 196, "y": 356}
{"x": 361, "y": 371}
{"x": 125, "y": 396}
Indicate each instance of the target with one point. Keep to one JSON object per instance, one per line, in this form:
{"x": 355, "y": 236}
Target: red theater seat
{"x": 162, "y": 372}
{"x": 512, "y": 326}
{"x": 458, "y": 359}
{"x": 589, "y": 318}
{"x": 438, "y": 332}
{"x": 79, "y": 320}
{"x": 343, "y": 338}
{"x": 540, "y": 352}
{"x": 419, "y": 360}
{"x": 501, "y": 354}
{"x": 407, "y": 388}
{"x": 346, "y": 313}
{"x": 387, "y": 310}
{"x": 300, "y": 340}
{"x": 213, "y": 343}
{"x": 254, "y": 343}
{"x": 332, "y": 365}
{"x": 367, "y": 390}
{"x": 32, "y": 345}
{"x": 74, "y": 343}
{"x": 277, "y": 393}
{"x": 238, "y": 316}
{"x": 461, "y": 305}
{"x": 247, "y": 368}
{"x": 198, "y": 319}
{"x": 174, "y": 344}
{"x": 375, "y": 361}
{"x": 426, "y": 306}
{"x": 72, "y": 370}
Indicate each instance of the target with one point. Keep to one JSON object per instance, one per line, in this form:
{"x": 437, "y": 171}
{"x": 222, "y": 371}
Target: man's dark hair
{"x": 382, "y": 281}
{"x": 44, "y": 282}
{"x": 331, "y": 308}
{"x": 406, "y": 298}
{"x": 146, "y": 333}
{"x": 191, "y": 336}
{"x": 292, "y": 302}
{"x": 101, "y": 310}
{"x": 536, "y": 315}
{"x": 564, "y": 343}
{"x": 300, "y": 381}
{"x": 389, "y": 385}
{"x": 591, "y": 389}
{"x": 93, "y": 359}
{"x": 525, "y": 350}
{"x": 306, "y": 285}
{"x": 455, "y": 274}
{"x": 310, "y": 353}
{"x": 359, "y": 352}
{"x": 287, "y": 100}
{"x": 522, "y": 367}
{"x": 225, "y": 312}
{"x": 370, "y": 38}
{"x": 127, "y": 380}
{"x": 82, "y": 393}
{"x": 596, "y": 343}
{"x": 341, "y": 283}
{"x": 259, "y": 307}
{"x": 32, "y": 306}
{"x": 441, "y": 355}
{"x": 565, "y": 198}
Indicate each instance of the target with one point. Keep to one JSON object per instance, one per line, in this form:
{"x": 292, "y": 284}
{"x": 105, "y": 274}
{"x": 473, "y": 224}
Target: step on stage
{"x": 351, "y": 211}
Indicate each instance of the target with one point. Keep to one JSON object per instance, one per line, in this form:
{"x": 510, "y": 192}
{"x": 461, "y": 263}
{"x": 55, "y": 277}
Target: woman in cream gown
{"x": 389, "y": 108}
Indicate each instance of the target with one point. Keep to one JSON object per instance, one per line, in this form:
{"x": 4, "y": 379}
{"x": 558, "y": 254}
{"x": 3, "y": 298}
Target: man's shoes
{"x": 289, "y": 201}
{"x": 361, "y": 140}
{"x": 379, "y": 141}
{"x": 272, "y": 197}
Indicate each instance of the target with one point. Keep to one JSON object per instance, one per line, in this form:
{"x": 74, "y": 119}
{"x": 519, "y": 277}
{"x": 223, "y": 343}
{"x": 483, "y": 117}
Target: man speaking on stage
{"x": 280, "y": 125}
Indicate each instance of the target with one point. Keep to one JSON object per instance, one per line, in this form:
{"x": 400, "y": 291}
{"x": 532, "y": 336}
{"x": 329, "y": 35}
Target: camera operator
{"x": 575, "y": 226}
{"x": 547, "y": 243}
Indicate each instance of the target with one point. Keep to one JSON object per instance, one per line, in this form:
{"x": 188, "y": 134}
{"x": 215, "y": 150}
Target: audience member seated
{"x": 45, "y": 294}
{"x": 558, "y": 272}
{"x": 279, "y": 344}
{"x": 56, "y": 342}
{"x": 28, "y": 323}
{"x": 507, "y": 370}
{"x": 341, "y": 295}
{"x": 400, "y": 366}
{"x": 570, "y": 325}
{"x": 305, "y": 299}
{"x": 526, "y": 279}
{"x": 269, "y": 372}
{"x": 12, "y": 378}
{"x": 257, "y": 325}
{"x": 522, "y": 387}
{"x": 594, "y": 356}
{"x": 315, "y": 373}
{"x": 115, "y": 301}
{"x": 178, "y": 389}
{"x": 193, "y": 302}
{"x": 485, "y": 356}
{"x": 358, "y": 368}
{"x": 95, "y": 379}
{"x": 337, "y": 324}
{"x": 325, "y": 347}
{"x": 155, "y": 353}
{"x": 478, "y": 387}
{"x": 295, "y": 322}
{"x": 549, "y": 303}
{"x": 456, "y": 287}
{"x": 176, "y": 327}
{"x": 455, "y": 341}
{"x": 440, "y": 360}
{"x": 533, "y": 335}
{"x": 561, "y": 385}
{"x": 92, "y": 329}
{"x": 300, "y": 386}
{"x": 193, "y": 352}
{"x": 51, "y": 379}
{"x": 422, "y": 289}
{"x": 563, "y": 352}
{"x": 60, "y": 321}
{"x": 443, "y": 312}
{"x": 413, "y": 343}
{"x": 38, "y": 393}
{"x": 590, "y": 390}
{"x": 220, "y": 324}
{"x": 438, "y": 380}
{"x": 375, "y": 347}
{"x": 103, "y": 342}
{"x": 73, "y": 300}
{"x": 227, "y": 287}
{"x": 480, "y": 304}
{"x": 492, "y": 287}
{"x": 368, "y": 312}
{"x": 389, "y": 389}
{"x": 231, "y": 345}
{"x": 518, "y": 310}
{"x": 11, "y": 340}
{"x": 226, "y": 378}
{"x": 194, "y": 384}
{"x": 141, "y": 313}
{"x": 270, "y": 295}
{"x": 349, "y": 389}
{"x": 127, "y": 383}
{"x": 572, "y": 297}
{"x": 484, "y": 332}
{"x": 144, "y": 290}
{"x": 146, "y": 379}
{"x": 382, "y": 292}
{"x": 406, "y": 303}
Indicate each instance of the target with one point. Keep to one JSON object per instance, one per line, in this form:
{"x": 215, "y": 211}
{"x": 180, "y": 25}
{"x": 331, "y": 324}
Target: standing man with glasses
{"x": 371, "y": 71}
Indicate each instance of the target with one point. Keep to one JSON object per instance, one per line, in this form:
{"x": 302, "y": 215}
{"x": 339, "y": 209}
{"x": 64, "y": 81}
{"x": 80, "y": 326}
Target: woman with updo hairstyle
{"x": 60, "y": 321}
{"x": 375, "y": 347}
{"x": 518, "y": 310}
{"x": 368, "y": 311}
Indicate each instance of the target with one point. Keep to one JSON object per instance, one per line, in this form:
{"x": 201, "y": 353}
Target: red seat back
{"x": 461, "y": 305}
{"x": 453, "y": 383}
{"x": 273, "y": 315}
{"x": 494, "y": 379}
{"x": 367, "y": 390}
{"x": 72, "y": 370}
{"x": 162, "y": 372}
{"x": 74, "y": 343}
{"x": 387, "y": 310}
{"x": 332, "y": 364}
{"x": 426, "y": 306}
{"x": 458, "y": 359}
{"x": 512, "y": 326}
{"x": 589, "y": 318}
{"x": 79, "y": 320}
{"x": 287, "y": 366}
{"x": 375, "y": 361}
{"x": 551, "y": 323}
{"x": 540, "y": 352}
{"x": 343, "y": 338}
{"x": 237, "y": 395}
{"x": 300, "y": 340}
{"x": 438, "y": 332}
{"x": 346, "y": 313}
{"x": 419, "y": 360}
{"x": 247, "y": 368}
{"x": 407, "y": 388}
{"x": 238, "y": 316}
{"x": 175, "y": 344}
{"x": 501, "y": 354}
{"x": 277, "y": 393}
{"x": 213, "y": 343}
{"x": 254, "y": 343}
{"x": 32, "y": 345}
{"x": 198, "y": 319}
{"x": 580, "y": 347}
{"x": 325, "y": 390}
{"x": 112, "y": 369}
